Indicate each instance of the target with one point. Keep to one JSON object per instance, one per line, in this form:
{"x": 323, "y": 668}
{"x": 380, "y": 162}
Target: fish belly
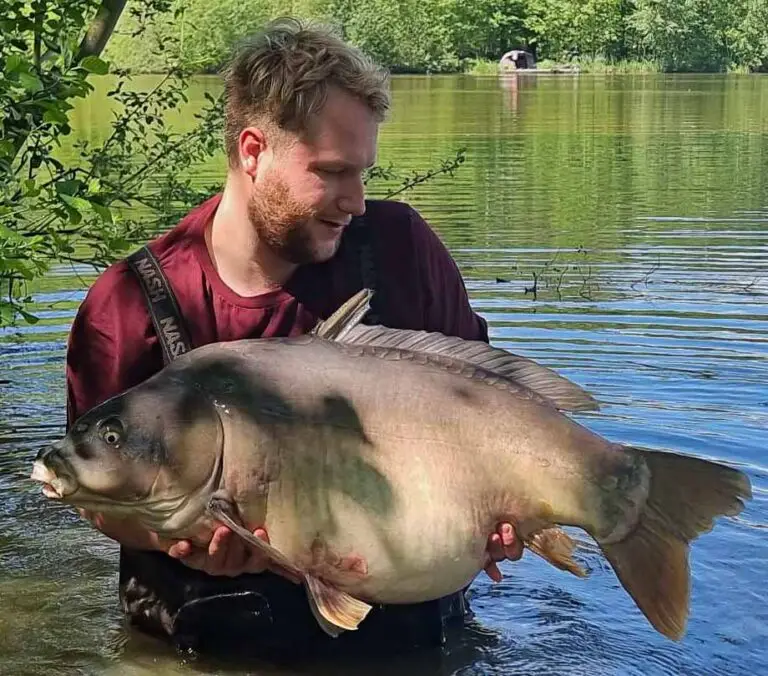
{"x": 398, "y": 534}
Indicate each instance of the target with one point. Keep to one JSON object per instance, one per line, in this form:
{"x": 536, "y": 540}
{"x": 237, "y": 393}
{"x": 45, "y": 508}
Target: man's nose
{"x": 353, "y": 200}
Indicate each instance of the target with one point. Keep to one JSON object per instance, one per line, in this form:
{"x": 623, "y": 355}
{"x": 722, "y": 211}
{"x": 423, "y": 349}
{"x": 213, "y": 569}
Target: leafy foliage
{"x": 84, "y": 211}
{"x": 450, "y": 35}
{"x": 686, "y": 35}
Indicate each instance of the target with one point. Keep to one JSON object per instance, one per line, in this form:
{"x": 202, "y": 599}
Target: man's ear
{"x": 252, "y": 145}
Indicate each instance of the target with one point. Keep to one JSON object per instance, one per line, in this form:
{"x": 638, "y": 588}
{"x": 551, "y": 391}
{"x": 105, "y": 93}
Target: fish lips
{"x": 50, "y": 470}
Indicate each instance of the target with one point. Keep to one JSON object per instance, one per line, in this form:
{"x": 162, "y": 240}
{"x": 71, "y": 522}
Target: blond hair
{"x": 280, "y": 78}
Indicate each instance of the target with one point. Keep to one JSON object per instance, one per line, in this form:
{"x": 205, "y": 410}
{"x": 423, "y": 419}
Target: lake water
{"x": 612, "y": 227}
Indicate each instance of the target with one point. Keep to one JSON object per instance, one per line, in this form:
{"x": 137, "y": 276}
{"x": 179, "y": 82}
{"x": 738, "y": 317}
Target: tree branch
{"x": 101, "y": 28}
{"x": 39, "y": 17}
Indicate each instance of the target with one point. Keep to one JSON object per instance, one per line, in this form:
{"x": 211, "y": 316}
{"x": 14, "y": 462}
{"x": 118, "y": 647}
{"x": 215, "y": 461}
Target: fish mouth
{"x": 55, "y": 486}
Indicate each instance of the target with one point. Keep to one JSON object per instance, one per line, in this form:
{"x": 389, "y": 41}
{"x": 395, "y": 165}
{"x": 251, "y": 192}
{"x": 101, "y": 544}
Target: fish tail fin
{"x": 686, "y": 494}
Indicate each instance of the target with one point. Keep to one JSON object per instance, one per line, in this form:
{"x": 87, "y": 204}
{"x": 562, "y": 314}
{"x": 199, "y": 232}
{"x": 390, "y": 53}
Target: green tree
{"x": 404, "y": 35}
{"x": 563, "y": 28}
{"x": 51, "y": 212}
{"x": 750, "y": 40}
{"x": 686, "y": 34}
{"x": 440, "y": 35}
{"x": 487, "y": 28}
{"x": 198, "y": 33}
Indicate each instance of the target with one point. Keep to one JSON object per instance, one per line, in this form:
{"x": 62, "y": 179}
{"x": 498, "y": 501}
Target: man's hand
{"x": 503, "y": 544}
{"x": 226, "y": 553}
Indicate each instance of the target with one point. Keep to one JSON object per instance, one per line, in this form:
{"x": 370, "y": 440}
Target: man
{"x": 278, "y": 249}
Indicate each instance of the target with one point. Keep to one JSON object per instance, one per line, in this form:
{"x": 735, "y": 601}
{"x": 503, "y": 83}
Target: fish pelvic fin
{"x": 334, "y": 610}
{"x": 686, "y": 494}
{"x": 557, "y": 547}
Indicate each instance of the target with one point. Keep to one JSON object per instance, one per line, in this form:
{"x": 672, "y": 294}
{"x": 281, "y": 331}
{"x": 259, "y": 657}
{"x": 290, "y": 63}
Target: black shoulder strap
{"x": 163, "y": 308}
{"x": 360, "y": 241}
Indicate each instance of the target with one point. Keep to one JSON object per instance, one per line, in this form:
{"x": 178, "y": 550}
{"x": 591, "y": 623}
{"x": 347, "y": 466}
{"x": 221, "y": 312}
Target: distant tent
{"x": 517, "y": 59}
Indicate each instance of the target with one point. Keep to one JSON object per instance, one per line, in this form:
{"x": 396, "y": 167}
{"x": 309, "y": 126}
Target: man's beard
{"x": 282, "y": 222}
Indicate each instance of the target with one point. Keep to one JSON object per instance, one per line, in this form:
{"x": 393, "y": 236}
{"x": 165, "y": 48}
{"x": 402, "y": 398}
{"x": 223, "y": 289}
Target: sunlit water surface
{"x": 614, "y": 228}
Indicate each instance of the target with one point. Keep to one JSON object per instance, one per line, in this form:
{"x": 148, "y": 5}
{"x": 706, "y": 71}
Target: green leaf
{"x": 117, "y": 244}
{"x": 77, "y": 203}
{"x": 103, "y": 212}
{"x": 29, "y": 188}
{"x": 25, "y": 272}
{"x": 74, "y": 215}
{"x": 7, "y": 148}
{"x": 68, "y": 187}
{"x": 55, "y": 116}
{"x": 30, "y": 318}
{"x": 15, "y": 62}
{"x": 10, "y": 235}
{"x": 93, "y": 64}
{"x": 7, "y": 312}
{"x": 30, "y": 82}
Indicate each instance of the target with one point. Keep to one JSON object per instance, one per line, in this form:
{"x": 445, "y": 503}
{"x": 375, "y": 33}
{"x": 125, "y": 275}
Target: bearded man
{"x": 287, "y": 241}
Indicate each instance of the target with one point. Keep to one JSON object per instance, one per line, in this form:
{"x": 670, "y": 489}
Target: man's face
{"x": 307, "y": 189}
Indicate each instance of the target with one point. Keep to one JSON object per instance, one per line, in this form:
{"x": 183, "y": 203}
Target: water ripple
{"x": 611, "y": 228}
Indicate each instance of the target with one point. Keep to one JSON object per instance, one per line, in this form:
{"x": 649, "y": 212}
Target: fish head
{"x": 145, "y": 451}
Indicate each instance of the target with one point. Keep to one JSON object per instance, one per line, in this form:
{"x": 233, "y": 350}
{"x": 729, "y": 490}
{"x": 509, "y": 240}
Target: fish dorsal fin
{"x": 345, "y": 318}
{"x": 344, "y": 326}
{"x": 491, "y": 361}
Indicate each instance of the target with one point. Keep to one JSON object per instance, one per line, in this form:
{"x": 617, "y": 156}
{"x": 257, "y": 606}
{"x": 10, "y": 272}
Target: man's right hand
{"x": 226, "y": 554}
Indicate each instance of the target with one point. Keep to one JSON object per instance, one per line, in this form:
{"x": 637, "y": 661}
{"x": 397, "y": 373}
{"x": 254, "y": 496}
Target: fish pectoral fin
{"x": 334, "y": 610}
{"x": 557, "y": 547}
{"x": 221, "y": 510}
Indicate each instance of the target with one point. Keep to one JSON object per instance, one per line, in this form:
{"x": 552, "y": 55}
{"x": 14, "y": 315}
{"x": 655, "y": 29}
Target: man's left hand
{"x": 503, "y": 544}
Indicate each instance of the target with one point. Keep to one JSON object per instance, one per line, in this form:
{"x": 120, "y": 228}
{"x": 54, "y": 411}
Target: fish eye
{"x": 111, "y": 431}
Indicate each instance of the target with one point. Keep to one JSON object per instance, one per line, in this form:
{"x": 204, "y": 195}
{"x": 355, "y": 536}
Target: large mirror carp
{"x": 380, "y": 460}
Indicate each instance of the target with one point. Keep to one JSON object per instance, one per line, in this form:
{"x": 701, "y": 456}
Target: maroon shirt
{"x": 113, "y": 345}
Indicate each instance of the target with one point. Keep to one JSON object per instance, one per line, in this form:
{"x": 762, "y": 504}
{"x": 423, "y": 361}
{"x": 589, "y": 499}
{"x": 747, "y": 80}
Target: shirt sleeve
{"x": 446, "y": 303}
{"x": 111, "y": 344}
